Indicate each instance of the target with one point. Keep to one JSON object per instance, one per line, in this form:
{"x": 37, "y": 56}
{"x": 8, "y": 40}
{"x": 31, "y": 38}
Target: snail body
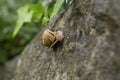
{"x": 50, "y": 38}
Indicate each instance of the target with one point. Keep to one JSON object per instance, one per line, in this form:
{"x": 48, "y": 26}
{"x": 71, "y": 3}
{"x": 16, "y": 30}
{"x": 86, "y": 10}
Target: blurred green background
{"x": 9, "y": 46}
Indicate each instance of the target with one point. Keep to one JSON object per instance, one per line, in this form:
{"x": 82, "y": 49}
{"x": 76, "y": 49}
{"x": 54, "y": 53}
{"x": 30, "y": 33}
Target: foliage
{"x": 24, "y": 15}
{"x": 34, "y": 12}
{"x": 57, "y": 6}
{"x": 9, "y": 47}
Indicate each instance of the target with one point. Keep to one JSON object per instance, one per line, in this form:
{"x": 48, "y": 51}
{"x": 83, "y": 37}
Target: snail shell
{"x": 50, "y": 38}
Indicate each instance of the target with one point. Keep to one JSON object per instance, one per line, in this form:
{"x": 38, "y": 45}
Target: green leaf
{"x": 24, "y": 15}
{"x": 66, "y": 1}
{"x": 57, "y": 7}
{"x": 45, "y": 11}
{"x": 37, "y": 11}
{"x": 50, "y": 10}
{"x": 45, "y": 20}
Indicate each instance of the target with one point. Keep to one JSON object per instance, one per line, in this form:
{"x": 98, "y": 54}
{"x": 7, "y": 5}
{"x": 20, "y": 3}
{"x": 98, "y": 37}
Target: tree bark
{"x": 90, "y": 51}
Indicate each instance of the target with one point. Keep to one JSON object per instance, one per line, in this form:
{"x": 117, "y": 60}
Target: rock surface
{"x": 90, "y": 51}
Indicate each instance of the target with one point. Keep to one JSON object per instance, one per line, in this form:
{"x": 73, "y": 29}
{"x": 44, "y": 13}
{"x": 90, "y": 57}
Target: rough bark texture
{"x": 90, "y": 51}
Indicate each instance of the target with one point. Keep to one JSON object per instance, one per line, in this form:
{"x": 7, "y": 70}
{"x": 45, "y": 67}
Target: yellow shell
{"x": 49, "y": 38}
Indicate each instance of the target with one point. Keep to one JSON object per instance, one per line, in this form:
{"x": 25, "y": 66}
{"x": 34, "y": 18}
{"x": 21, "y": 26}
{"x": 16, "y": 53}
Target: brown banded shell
{"x": 50, "y": 38}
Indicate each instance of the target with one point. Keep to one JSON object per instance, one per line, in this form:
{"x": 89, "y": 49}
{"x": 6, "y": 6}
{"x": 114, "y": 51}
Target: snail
{"x": 50, "y": 38}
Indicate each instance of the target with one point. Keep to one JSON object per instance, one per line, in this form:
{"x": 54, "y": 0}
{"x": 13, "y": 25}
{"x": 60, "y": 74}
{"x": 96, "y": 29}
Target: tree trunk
{"x": 91, "y": 47}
